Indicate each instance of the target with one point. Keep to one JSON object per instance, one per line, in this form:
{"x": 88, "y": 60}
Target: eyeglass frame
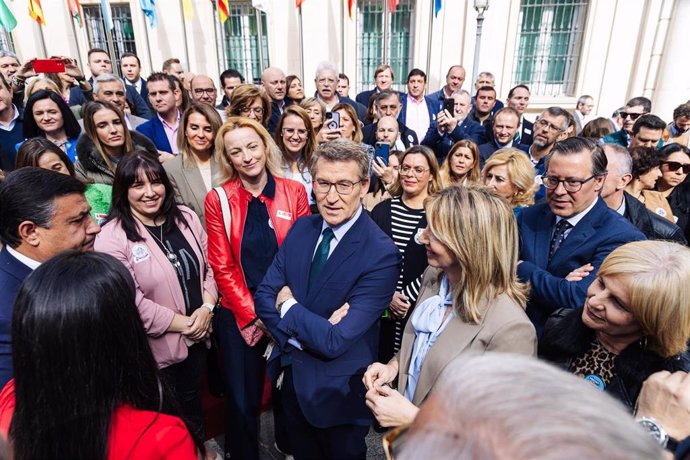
{"x": 551, "y": 126}
{"x": 300, "y": 132}
{"x": 684, "y": 167}
{"x": 412, "y": 169}
{"x": 565, "y": 181}
{"x": 349, "y": 184}
{"x": 208, "y": 91}
{"x": 257, "y": 110}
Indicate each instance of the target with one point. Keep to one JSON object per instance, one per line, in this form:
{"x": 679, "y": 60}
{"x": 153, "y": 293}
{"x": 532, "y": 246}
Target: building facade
{"x": 610, "y": 49}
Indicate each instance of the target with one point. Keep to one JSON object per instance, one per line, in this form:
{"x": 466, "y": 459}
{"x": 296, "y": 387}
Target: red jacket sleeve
{"x": 227, "y": 270}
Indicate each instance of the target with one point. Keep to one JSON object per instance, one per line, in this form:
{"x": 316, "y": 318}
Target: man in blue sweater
{"x": 11, "y": 127}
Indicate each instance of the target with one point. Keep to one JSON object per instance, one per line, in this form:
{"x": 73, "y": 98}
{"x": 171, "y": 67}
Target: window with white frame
{"x": 384, "y": 37}
{"x": 548, "y": 45}
{"x": 122, "y": 34}
{"x": 246, "y": 40}
{"x": 6, "y": 42}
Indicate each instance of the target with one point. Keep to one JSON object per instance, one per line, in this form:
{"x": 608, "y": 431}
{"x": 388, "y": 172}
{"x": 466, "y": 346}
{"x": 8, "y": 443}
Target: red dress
{"x": 134, "y": 434}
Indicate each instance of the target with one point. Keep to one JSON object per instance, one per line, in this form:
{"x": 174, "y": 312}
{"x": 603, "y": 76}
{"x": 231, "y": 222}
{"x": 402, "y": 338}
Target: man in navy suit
{"x": 131, "y": 70}
{"x": 42, "y": 213}
{"x": 451, "y": 128}
{"x": 418, "y": 111}
{"x": 518, "y": 99}
{"x": 454, "y": 80}
{"x": 162, "y": 128}
{"x": 504, "y": 127}
{"x": 383, "y": 79}
{"x": 321, "y": 300}
{"x": 565, "y": 240}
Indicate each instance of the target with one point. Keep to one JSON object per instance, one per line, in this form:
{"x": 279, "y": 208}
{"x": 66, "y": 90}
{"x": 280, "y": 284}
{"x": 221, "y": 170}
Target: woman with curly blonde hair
{"x": 511, "y": 174}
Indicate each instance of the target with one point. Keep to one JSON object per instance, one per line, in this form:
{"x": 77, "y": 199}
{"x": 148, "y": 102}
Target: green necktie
{"x": 321, "y": 255}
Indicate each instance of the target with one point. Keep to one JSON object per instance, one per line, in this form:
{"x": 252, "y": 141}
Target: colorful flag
{"x": 350, "y": 4}
{"x": 223, "y": 10}
{"x": 393, "y": 4}
{"x": 149, "y": 9}
{"x": 437, "y": 7}
{"x": 36, "y": 12}
{"x": 188, "y": 9}
{"x": 75, "y": 11}
{"x": 107, "y": 14}
{"x": 7, "y": 19}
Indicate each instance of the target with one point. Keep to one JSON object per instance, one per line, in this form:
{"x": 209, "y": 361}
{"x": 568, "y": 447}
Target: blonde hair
{"x": 314, "y": 102}
{"x": 656, "y": 274}
{"x": 479, "y": 228}
{"x": 357, "y": 136}
{"x": 211, "y": 116}
{"x": 521, "y": 174}
{"x": 448, "y": 177}
{"x": 226, "y": 170}
{"x": 33, "y": 81}
{"x": 434, "y": 183}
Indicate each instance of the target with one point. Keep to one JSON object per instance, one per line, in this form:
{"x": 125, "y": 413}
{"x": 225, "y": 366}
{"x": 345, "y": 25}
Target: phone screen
{"x": 49, "y": 65}
{"x": 449, "y": 105}
{"x": 382, "y": 151}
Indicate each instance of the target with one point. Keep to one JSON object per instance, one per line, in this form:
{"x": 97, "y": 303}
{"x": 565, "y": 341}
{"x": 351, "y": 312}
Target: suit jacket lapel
{"x": 579, "y": 234}
{"x": 196, "y": 184}
{"x": 542, "y": 237}
{"x": 304, "y": 258}
{"x": 162, "y": 137}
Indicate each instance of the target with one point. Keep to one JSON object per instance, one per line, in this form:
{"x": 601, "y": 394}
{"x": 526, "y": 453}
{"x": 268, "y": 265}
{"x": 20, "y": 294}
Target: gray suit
{"x": 189, "y": 186}
{"x": 503, "y": 326}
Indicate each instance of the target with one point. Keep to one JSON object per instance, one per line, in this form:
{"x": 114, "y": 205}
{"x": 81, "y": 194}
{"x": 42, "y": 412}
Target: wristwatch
{"x": 210, "y": 306}
{"x": 655, "y": 430}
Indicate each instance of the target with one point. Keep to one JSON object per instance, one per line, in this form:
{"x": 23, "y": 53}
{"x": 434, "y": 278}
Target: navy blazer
{"x": 364, "y": 96}
{"x": 12, "y": 274}
{"x": 430, "y": 105}
{"x": 526, "y": 132}
{"x": 153, "y": 129}
{"x": 488, "y": 149}
{"x": 362, "y": 271}
{"x": 593, "y": 238}
{"x": 442, "y": 143}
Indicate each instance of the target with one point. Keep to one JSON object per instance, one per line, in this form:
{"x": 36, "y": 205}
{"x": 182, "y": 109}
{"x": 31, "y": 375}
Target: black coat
{"x": 407, "y": 136}
{"x": 565, "y": 337}
{"x": 652, "y": 225}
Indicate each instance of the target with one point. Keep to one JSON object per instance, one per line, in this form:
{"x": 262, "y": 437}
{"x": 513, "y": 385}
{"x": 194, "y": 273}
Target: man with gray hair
{"x": 619, "y": 176}
{"x": 326, "y": 80}
{"x": 321, "y": 300}
{"x": 505, "y": 406}
{"x": 550, "y": 127}
{"x": 110, "y": 88}
{"x": 573, "y": 228}
{"x": 583, "y": 108}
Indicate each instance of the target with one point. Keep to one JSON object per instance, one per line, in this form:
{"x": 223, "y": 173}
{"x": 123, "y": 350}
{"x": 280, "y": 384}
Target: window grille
{"x": 384, "y": 37}
{"x": 122, "y": 33}
{"x": 246, "y": 40}
{"x": 6, "y": 42}
{"x": 548, "y": 45}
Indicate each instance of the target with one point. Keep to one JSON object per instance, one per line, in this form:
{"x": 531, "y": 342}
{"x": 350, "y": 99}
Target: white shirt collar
{"x": 340, "y": 231}
{"x": 574, "y": 220}
{"x": 28, "y": 261}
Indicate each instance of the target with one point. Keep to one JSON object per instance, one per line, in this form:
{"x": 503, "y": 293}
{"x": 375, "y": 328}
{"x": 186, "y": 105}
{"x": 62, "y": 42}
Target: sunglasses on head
{"x": 633, "y": 116}
{"x": 675, "y": 166}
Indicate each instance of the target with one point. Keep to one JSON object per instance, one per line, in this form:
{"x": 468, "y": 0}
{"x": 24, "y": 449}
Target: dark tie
{"x": 321, "y": 255}
{"x": 558, "y": 236}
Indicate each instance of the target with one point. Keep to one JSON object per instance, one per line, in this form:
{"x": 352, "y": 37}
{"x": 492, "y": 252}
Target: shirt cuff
{"x": 295, "y": 343}
{"x": 287, "y": 305}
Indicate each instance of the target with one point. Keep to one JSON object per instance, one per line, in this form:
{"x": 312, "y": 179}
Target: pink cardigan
{"x": 159, "y": 295}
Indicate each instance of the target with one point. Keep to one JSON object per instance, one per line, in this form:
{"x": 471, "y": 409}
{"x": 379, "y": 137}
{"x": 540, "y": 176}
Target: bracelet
{"x": 210, "y": 306}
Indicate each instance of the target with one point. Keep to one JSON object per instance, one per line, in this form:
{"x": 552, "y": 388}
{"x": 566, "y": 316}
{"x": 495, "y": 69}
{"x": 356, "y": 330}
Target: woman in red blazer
{"x": 86, "y": 385}
{"x": 261, "y": 208}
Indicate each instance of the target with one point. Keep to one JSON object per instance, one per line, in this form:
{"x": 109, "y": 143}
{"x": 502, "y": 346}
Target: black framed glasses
{"x": 200, "y": 91}
{"x": 344, "y": 187}
{"x": 570, "y": 185}
{"x": 541, "y": 123}
{"x": 675, "y": 166}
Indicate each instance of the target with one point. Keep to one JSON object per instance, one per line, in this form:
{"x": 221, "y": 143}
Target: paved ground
{"x": 266, "y": 441}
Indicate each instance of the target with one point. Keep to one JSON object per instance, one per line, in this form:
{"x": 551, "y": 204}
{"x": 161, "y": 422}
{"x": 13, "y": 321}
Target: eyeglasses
{"x": 200, "y": 91}
{"x": 633, "y": 116}
{"x": 344, "y": 187}
{"x": 259, "y": 111}
{"x": 570, "y": 185}
{"x": 291, "y": 132}
{"x": 541, "y": 123}
{"x": 416, "y": 171}
{"x": 675, "y": 166}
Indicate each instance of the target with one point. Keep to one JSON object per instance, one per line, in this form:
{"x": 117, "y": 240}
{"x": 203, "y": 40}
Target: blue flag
{"x": 107, "y": 14}
{"x": 149, "y": 8}
{"x": 437, "y": 7}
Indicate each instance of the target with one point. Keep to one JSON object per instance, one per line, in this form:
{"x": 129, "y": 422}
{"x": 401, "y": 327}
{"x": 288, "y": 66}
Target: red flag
{"x": 393, "y": 4}
{"x": 350, "y": 4}
{"x": 223, "y": 10}
{"x": 298, "y": 3}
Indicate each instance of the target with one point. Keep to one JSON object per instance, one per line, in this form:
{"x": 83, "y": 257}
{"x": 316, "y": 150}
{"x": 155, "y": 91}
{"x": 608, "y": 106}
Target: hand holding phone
{"x": 449, "y": 105}
{"x": 382, "y": 151}
{"x": 332, "y": 120}
{"x": 49, "y": 65}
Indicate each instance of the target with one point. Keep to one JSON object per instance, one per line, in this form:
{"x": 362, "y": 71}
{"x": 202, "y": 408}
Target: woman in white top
{"x": 296, "y": 139}
{"x": 192, "y": 172}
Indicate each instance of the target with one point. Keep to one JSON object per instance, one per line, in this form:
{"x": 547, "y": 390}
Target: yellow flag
{"x": 188, "y": 9}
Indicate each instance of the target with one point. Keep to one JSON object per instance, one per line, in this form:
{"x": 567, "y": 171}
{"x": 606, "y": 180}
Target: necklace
{"x": 172, "y": 257}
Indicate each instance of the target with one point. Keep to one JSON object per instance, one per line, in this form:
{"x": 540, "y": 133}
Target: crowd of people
{"x": 418, "y": 262}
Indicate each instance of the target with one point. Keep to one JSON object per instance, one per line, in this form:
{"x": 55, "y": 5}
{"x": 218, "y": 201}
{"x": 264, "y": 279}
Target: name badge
{"x": 418, "y": 235}
{"x": 284, "y": 215}
{"x": 140, "y": 253}
{"x": 528, "y": 131}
